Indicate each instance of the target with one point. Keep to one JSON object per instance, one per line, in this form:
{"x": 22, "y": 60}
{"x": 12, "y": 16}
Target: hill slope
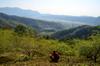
{"x": 78, "y": 32}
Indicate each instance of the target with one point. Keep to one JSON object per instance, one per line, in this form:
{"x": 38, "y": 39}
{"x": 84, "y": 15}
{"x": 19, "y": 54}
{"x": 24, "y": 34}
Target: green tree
{"x": 20, "y": 29}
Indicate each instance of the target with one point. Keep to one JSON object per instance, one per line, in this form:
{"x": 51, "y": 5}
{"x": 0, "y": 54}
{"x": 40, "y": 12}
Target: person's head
{"x": 55, "y": 52}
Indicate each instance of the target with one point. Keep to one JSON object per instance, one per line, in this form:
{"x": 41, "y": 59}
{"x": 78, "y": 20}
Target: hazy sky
{"x": 60, "y": 7}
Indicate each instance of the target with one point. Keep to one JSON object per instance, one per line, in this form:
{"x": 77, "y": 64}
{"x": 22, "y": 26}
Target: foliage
{"x": 24, "y": 43}
{"x": 92, "y": 49}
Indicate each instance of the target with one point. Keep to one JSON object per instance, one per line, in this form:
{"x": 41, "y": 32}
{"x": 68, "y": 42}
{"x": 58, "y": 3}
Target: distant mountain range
{"x": 39, "y": 25}
{"x": 65, "y": 20}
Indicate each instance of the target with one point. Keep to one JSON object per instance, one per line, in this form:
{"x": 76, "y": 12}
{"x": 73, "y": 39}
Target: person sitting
{"x": 54, "y": 56}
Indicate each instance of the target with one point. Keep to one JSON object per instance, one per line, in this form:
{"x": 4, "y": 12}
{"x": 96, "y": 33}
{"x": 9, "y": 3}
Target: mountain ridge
{"x": 82, "y": 20}
{"x": 38, "y": 24}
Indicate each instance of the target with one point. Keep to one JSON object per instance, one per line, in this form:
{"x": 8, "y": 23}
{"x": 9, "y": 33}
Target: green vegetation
{"x": 22, "y": 45}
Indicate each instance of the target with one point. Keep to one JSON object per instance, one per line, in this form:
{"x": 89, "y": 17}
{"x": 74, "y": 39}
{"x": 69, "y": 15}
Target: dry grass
{"x": 45, "y": 62}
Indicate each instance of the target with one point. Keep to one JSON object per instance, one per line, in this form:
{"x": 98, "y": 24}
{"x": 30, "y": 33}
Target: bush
{"x": 92, "y": 52}
{"x": 5, "y": 59}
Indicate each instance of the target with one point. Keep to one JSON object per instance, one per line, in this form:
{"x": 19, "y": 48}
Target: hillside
{"x": 20, "y": 47}
{"x": 79, "y": 32}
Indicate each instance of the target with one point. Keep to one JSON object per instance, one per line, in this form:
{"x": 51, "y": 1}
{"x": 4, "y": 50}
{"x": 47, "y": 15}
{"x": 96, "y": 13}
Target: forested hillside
{"x": 22, "y": 46}
{"x": 81, "y": 32}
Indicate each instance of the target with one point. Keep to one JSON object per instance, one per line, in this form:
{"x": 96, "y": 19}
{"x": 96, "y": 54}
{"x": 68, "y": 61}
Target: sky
{"x": 58, "y": 7}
